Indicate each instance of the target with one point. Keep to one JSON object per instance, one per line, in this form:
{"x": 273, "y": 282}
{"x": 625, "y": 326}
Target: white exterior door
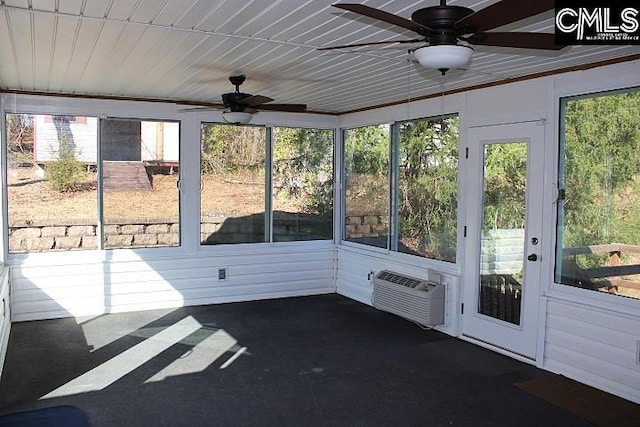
{"x": 504, "y": 220}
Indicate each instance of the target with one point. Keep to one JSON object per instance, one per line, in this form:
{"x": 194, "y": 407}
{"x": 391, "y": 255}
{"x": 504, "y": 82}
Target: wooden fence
{"x": 614, "y": 271}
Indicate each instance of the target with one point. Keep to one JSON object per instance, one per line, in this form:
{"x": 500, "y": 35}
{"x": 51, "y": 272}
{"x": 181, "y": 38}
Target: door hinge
{"x": 464, "y": 231}
{"x": 466, "y": 152}
{"x": 461, "y": 308}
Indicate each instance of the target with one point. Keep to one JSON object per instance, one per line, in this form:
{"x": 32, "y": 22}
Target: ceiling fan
{"x": 239, "y": 107}
{"x": 448, "y": 31}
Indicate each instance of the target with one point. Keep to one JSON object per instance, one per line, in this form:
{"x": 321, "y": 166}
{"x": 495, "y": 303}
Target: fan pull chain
{"x": 409, "y": 52}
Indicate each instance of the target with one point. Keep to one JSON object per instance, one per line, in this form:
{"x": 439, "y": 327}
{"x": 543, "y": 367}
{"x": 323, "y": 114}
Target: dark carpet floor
{"x": 309, "y": 361}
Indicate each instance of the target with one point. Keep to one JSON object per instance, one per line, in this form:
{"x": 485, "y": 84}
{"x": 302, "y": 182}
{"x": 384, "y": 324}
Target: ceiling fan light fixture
{"x": 443, "y": 57}
{"x": 237, "y": 117}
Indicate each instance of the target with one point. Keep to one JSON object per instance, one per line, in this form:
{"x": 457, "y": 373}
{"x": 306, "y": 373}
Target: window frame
{"x": 46, "y": 113}
{"x": 395, "y": 233}
{"x": 100, "y": 183}
{"x": 98, "y": 108}
{"x": 268, "y": 172}
{"x": 334, "y": 176}
{"x": 343, "y": 194}
{"x": 604, "y": 300}
{"x": 393, "y": 191}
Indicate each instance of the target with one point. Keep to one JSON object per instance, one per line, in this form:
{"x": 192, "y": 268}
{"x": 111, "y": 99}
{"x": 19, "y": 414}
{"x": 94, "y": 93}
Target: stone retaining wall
{"x": 366, "y": 225}
{"x": 43, "y": 236}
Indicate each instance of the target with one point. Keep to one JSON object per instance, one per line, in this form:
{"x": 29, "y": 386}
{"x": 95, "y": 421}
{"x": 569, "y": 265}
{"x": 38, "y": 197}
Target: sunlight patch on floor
{"x": 100, "y": 331}
{"x": 233, "y": 358}
{"x": 117, "y": 367}
{"x": 199, "y": 357}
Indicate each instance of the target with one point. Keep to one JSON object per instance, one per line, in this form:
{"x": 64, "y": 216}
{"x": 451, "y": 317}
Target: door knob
{"x": 532, "y": 257}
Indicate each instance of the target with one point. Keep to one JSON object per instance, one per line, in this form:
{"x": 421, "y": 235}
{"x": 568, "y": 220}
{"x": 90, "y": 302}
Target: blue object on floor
{"x": 56, "y": 416}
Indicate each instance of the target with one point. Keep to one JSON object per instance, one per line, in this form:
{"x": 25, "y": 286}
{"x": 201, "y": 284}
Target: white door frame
{"x": 520, "y": 339}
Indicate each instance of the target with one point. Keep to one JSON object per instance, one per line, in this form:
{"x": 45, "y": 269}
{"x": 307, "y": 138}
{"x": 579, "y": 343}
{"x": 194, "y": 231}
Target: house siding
{"x": 84, "y": 139}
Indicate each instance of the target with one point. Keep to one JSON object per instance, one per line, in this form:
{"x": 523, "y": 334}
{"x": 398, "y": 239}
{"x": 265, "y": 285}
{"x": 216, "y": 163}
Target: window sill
{"x": 598, "y": 300}
{"x": 408, "y": 259}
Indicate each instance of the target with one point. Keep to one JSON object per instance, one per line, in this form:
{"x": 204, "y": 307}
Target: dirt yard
{"x": 31, "y": 198}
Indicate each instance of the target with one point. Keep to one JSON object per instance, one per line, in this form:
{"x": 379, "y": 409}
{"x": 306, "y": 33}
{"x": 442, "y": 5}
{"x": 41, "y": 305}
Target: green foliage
{"x": 601, "y": 165}
{"x": 66, "y": 174}
{"x": 19, "y": 138}
{"x": 367, "y": 150}
{"x": 230, "y": 149}
{"x": 302, "y": 160}
{"x": 303, "y": 166}
{"x": 505, "y": 179}
{"x": 428, "y": 187}
{"x": 366, "y": 170}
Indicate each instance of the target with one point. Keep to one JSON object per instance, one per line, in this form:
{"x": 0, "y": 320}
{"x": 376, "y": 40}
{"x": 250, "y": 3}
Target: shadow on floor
{"x": 307, "y": 361}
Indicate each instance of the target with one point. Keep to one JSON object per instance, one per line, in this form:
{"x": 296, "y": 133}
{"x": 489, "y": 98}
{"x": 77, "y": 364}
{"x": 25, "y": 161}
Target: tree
{"x": 505, "y": 180}
{"x": 232, "y": 149}
{"x": 303, "y": 166}
{"x": 601, "y": 159}
{"x": 428, "y": 186}
{"x": 367, "y": 150}
{"x": 20, "y": 137}
{"x": 67, "y": 172}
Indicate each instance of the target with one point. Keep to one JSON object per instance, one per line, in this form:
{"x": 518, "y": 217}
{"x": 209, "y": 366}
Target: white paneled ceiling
{"x": 185, "y": 50}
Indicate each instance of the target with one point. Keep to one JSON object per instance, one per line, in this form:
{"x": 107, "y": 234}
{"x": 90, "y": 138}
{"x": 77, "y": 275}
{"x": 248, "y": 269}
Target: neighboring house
{"x": 155, "y": 141}
{"x": 79, "y": 133}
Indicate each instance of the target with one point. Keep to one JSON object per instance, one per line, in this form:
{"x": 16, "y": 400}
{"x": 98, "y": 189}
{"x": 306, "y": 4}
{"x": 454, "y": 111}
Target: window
{"x": 414, "y": 210}
{"x": 366, "y": 185}
{"x": 51, "y": 182}
{"x": 140, "y": 196}
{"x": 302, "y": 184}
{"x": 296, "y": 194}
{"x": 427, "y": 188}
{"x": 598, "y": 221}
{"x": 57, "y": 190}
{"x": 232, "y": 167}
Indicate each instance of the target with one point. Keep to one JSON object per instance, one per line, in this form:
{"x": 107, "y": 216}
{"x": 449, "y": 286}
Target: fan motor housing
{"x": 442, "y": 20}
{"x": 437, "y": 17}
{"x": 233, "y": 100}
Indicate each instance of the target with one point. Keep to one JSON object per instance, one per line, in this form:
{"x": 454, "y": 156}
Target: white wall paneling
{"x": 60, "y": 288}
{"x": 355, "y": 278}
{"x": 5, "y": 314}
{"x": 594, "y": 346}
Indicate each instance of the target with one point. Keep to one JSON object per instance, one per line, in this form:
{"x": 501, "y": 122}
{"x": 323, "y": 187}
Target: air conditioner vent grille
{"x": 409, "y": 282}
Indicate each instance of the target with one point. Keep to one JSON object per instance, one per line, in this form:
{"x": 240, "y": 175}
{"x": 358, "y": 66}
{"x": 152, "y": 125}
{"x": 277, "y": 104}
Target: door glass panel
{"x": 503, "y": 231}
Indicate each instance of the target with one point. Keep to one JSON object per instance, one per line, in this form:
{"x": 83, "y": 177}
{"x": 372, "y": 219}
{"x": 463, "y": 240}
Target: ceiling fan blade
{"x": 291, "y": 108}
{"x": 346, "y": 46}
{"x": 254, "y": 100}
{"x": 383, "y": 16}
{"x": 504, "y": 12}
{"x": 521, "y": 40}
{"x": 195, "y": 109}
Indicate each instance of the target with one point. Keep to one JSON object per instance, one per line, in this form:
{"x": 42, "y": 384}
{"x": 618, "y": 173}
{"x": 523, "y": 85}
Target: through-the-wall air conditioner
{"x": 415, "y": 299}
